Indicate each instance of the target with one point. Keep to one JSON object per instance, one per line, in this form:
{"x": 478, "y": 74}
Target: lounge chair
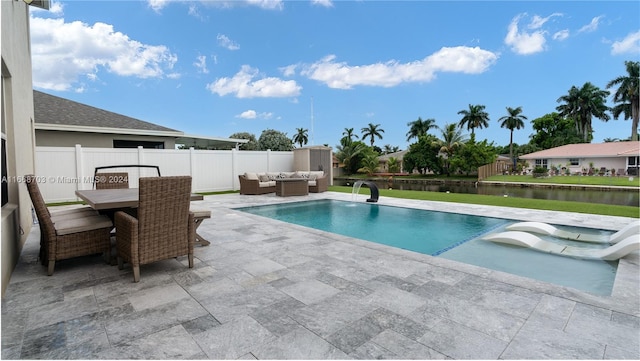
{"x": 164, "y": 227}
{"x": 524, "y": 239}
{"x": 68, "y": 234}
{"x": 631, "y": 229}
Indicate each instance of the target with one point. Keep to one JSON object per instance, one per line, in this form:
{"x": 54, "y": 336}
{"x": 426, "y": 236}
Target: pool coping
{"x": 625, "y": 295}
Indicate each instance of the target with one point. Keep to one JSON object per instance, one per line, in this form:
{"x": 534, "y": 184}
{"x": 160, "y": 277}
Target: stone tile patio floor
{"x": 265, "y": 289}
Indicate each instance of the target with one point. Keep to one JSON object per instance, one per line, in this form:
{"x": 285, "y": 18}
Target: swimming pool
{"x": 447, "y": 235}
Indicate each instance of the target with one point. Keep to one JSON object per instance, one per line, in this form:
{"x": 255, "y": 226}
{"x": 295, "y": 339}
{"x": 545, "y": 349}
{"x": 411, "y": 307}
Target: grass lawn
{"x": 565, "y": 206}
{"x": 572, "y": 179}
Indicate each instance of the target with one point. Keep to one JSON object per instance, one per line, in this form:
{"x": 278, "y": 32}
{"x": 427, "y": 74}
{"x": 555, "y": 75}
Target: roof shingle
{"x": 584, "y": 150}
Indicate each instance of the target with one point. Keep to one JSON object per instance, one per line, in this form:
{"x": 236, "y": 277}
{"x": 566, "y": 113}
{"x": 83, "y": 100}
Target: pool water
{"x": 447, "y": 235}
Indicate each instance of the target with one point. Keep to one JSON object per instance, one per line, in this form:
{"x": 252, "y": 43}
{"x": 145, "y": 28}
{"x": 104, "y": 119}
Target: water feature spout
{"x": 372, "y": 188}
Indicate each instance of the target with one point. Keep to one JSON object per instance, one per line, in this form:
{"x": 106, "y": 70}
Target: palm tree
{"x": 581, "y": 105}
{"x": 349, "y": 135}
{"x": 301, "y": 138}
{"x": 419, "y": 127}
{"x": 474, "y": 118}
{"x": 372, "y": 131}
{"x": 515, "y": 120}
{"x": 452, "y": 139}
{"x": 388, "y": 148}
{"x": 628, "y": 95}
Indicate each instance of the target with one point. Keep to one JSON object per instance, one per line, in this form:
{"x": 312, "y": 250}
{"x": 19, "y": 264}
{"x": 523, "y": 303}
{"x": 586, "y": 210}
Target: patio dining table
{"x": 111, "y": 200}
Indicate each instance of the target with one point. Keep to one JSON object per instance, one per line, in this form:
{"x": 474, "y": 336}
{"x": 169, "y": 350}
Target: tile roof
{"x": 583, "y": 150}
{"x": 49, "y": 109}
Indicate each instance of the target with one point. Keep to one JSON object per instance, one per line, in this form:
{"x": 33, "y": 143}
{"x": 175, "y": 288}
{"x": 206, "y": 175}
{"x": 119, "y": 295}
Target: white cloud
{"x": 592, "y": 26}
{"x": 524, "y": 43}
{"x": 537, "y": 22}
{"x": 225, "y": 42}
{"x": 201, "y": 64}
{"x": 157, "y": 5}
{"x": 325, "y": 3}
{"x": 252, "y": 114}
{"x": 629, "y": 45}
{"x": 560, "y": 35}
{"x": 62, "y": 53}
{"x": 340, "y": 75}
{"x": 245, "y": 85}
{"x": 267, "y": 4}
{"x": 289, "y": 70}
{"x": 248, "y": 114}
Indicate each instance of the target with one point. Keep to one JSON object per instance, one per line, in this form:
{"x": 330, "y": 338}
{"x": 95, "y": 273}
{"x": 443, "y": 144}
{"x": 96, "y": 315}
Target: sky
{"x": 215, "y": 68}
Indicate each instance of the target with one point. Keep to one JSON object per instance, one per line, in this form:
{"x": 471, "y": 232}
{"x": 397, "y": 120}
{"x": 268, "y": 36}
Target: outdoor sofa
{"x": 265, "y": 182}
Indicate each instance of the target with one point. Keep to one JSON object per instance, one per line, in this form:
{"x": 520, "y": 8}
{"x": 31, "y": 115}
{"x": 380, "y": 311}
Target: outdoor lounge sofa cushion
{"x": 265, "y": 182}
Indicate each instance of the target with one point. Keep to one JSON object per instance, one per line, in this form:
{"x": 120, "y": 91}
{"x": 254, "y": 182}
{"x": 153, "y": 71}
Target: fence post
{"x": 79, "y": 167}
{"x": 268, "y": 160}
{"x": 234, "y": 169}
{"x": 192, "y": 163}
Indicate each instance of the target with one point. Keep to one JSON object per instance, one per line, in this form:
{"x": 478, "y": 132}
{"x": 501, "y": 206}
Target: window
{"x": 631, "y": 161}
{"x": 574, "y": 161}
{"x": 541, "y": 163}
{"x": 136, "y": 143}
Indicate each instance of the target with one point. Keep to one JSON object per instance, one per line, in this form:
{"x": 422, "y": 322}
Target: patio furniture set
{"x": 150, "y": 223}
{"x": 284, "y": 184}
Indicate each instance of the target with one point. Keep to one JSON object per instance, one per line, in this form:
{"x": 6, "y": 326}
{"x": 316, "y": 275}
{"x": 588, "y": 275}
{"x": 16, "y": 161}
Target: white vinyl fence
{"x": 61, "y": 171}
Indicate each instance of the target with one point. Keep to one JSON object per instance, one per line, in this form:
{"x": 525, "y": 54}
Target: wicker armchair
{"x": 322, "y": 185}
{"x": 68, "y": 234}
{"x": 252, "y": 186}
{"x": 117, "y": 180}
{"x": 164, "y": 227}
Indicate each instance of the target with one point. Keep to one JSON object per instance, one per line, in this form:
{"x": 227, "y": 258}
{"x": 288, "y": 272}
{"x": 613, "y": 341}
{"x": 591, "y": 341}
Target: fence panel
{"x": 67, "y": 169}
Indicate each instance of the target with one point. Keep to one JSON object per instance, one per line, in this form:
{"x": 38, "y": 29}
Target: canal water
{"x": 618, "y": 197}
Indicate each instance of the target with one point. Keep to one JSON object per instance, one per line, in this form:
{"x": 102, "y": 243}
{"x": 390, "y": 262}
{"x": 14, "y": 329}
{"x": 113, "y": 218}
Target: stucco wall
{"x": 17, "y": 106}
{"x": 54, "y": 138}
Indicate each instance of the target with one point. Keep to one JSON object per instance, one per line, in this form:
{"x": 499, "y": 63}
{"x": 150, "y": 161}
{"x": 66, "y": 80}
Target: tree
{"x": 252, "y": 144}
{"x": 301, "y": 137}
{"x": 350, "y": 153}
{"x": 472, "y": 155}
{"x": 474, "y": 117}
{"x": 423, "y": 155}
{"x": 628, "y": 95}
{"x": 515, "y": 120}
{"x": 370, "y": 164}
{"x": 552, "y": 131}
{"x": 372, "y": 131}
{"x": 388, "y": 148}
{"x": 581, "y": 105}
{"x": 452, "y": 140}
{"x": 393, "y": 165}
{"x": 420, "y": 127}
{"x": 348, "y": 134}
{"x": 274, "y": 140}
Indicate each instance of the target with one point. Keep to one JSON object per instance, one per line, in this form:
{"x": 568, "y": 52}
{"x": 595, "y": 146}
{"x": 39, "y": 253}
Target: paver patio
{"x": 265, "y": 289}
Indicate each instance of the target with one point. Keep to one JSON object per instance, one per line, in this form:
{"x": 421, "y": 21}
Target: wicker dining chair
{"x": 68, "y": 234}
{"x": 164, "y": 227}
{"x": 116, "y": 180}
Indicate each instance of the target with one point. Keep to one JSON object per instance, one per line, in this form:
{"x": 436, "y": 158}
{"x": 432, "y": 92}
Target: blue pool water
{"x": 447, "y": 235}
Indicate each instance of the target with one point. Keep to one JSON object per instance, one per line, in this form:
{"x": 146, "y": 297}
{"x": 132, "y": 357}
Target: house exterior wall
{"x": 55, "y": 138}
{"x": 583, "y": 163}
{"x": 17, "y": 130}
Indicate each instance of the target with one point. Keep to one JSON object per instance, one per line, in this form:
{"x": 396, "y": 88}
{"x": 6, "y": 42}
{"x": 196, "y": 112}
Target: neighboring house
{"x": 61, "y": 122}
{"x": 384, "y": 159}
{"x": 621, "y": 157}
{"x": 18, "y": 146}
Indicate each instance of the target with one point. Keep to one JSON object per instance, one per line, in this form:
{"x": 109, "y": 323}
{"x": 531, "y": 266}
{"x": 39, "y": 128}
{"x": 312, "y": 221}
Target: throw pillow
{"x": 252, "y": 176}
{"x": 263, "y": 178}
